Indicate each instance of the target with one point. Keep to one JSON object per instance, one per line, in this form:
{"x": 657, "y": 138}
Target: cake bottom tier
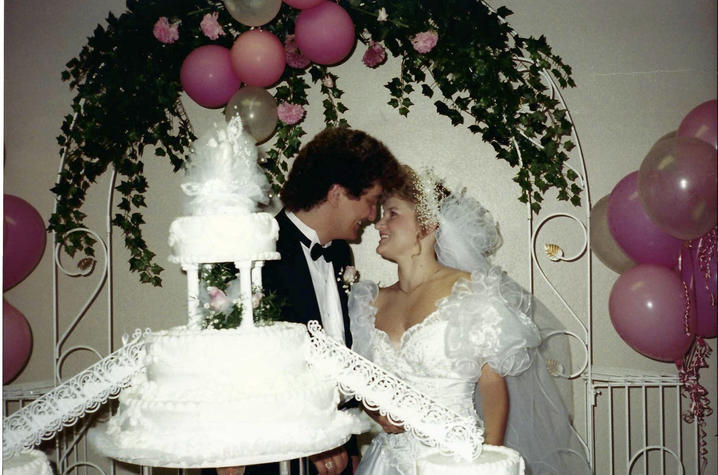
{"x": 227, "y": 444}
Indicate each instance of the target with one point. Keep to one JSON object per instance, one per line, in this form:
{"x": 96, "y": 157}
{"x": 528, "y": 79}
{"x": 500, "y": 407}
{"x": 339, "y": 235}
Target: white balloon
{"x": 258, "y": 111}
{"x": 253, "y": 12}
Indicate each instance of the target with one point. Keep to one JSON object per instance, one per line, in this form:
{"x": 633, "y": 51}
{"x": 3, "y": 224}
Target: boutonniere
{"x": 348, "y": 277}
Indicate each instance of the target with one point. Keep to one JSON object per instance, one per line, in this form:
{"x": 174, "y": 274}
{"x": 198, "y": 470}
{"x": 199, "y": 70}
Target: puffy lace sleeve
{"x": 362, "y": 314}
{"x": 488, "y": 324}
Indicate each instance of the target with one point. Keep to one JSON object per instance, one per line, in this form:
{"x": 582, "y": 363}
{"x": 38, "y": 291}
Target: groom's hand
{"x": 331, "y": 462}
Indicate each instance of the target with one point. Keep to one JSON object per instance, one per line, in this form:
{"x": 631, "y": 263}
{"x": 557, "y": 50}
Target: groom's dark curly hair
{"x": 350, "y": 158}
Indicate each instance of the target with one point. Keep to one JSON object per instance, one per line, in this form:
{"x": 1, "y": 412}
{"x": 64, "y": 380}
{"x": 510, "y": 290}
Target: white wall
{"x": 640, "y": 66}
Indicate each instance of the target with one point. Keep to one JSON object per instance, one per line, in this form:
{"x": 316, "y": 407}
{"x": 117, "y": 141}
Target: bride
{"x": 451, "y": 323}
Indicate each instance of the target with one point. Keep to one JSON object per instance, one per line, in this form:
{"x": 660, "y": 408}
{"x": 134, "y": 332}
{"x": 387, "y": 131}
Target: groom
{"x": 331, "y": 192}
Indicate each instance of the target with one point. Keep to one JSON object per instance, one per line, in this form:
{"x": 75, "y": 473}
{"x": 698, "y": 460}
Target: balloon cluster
{"x": 658, "y": 229}
{"x": 212, "y": 75}
{"x": 23, "y": 246}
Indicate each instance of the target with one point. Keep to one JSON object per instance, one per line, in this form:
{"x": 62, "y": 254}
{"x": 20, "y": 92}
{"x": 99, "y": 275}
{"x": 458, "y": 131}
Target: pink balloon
{"x": 677, "y": 186}
{"x": 207, "y": 76}
{"x": 24, "y": 240}
{"x": 303, "y": 4}
{"x": 647, "y": 308}
{"x": 325, "y": 33}
{"x": 16, "y": 342}
{"x": 634, "y": 231}
{"x": 701, "y": 123}
{"x": 258, "y": 58}
{"x": 699, "y": 272}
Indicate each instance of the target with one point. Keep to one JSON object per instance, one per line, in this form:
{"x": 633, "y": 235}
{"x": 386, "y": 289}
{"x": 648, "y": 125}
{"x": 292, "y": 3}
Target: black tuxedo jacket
{"x": 290, "y": 280}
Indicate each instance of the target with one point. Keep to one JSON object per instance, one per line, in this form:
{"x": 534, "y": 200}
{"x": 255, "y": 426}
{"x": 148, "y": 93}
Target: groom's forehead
{"x": 374, "y": 191}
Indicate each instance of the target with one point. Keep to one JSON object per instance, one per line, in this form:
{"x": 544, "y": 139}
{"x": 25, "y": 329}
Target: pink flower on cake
{"x": 374, "y": 55}
{"x": 218, "y": 301}
{"x": 294, "y": 57}
{"x": 211, "y": 27}
{"x": 164, "y": 32}
{"x": 425, "y": 41}
{"x": 289, "y": 113}
{"x": 257, "y": 299}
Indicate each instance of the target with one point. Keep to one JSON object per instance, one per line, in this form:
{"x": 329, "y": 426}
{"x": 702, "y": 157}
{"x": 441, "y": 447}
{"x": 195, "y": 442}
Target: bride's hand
{"x": 384, "y": 422}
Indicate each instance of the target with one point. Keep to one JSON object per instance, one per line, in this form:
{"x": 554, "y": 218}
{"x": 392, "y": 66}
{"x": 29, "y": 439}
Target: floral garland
{"x": 480, "y": 72}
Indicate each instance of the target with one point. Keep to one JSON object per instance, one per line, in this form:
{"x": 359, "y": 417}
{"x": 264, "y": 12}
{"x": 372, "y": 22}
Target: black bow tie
{"x": 318, "y": 251}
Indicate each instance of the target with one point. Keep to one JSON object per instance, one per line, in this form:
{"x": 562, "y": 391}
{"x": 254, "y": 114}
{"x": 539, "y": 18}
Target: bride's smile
{"x": 398, "y": 230}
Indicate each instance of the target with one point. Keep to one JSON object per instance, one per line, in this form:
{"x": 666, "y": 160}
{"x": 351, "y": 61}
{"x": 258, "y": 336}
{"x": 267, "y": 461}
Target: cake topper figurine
{"x": 223, "y": 176}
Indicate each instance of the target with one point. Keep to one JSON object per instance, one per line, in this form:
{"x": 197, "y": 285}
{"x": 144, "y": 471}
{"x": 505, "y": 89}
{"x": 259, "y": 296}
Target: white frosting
{"x": 494, "y": 460}
{"x": 223, "y": 238}
{"x": 32, "y": 462}
{"x": 247, "y": 360}
{"x": 221, "y": 397}
{"x": 223, "y": 176}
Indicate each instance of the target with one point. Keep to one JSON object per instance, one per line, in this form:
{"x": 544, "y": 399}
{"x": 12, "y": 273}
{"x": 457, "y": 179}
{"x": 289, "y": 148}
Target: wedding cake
{"x": 30, "y": 462}
{"x": 226, "y": 397}
{"x": 239, "y": 396}
{"x": 494, "y": 460}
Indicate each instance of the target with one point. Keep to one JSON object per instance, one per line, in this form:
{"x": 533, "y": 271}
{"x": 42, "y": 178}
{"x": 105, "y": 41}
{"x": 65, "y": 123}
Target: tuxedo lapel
{"x": 295, "y": 271}
{"x": 339, "y": 266}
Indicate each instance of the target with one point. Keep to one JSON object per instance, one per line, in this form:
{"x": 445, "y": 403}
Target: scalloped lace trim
{"x": 85, "y": 392}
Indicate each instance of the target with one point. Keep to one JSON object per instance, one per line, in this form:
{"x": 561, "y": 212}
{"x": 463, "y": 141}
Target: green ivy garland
{"x": 128, "y": 90}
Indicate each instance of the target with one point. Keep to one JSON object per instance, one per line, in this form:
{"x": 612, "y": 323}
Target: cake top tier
{"x": 222, "y": 173}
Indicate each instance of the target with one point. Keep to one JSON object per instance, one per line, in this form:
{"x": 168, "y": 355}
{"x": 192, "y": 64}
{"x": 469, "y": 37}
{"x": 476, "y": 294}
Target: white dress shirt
{"x": 324, "y": 283}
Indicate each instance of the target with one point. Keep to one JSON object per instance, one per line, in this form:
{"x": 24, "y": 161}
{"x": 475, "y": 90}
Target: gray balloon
{"x": 603, "y": 245}
{"x": 258, "y": 111}
{"x": 253, "y": 12}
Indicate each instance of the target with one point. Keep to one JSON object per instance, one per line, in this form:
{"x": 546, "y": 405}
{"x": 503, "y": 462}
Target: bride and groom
{"x": 450, "y": 323}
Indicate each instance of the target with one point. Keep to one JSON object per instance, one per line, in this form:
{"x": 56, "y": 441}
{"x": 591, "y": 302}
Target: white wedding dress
{"x": 442, "y": 357}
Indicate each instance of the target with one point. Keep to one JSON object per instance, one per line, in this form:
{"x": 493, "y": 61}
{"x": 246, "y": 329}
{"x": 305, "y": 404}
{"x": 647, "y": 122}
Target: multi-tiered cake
{"x": 226, "y": 397}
